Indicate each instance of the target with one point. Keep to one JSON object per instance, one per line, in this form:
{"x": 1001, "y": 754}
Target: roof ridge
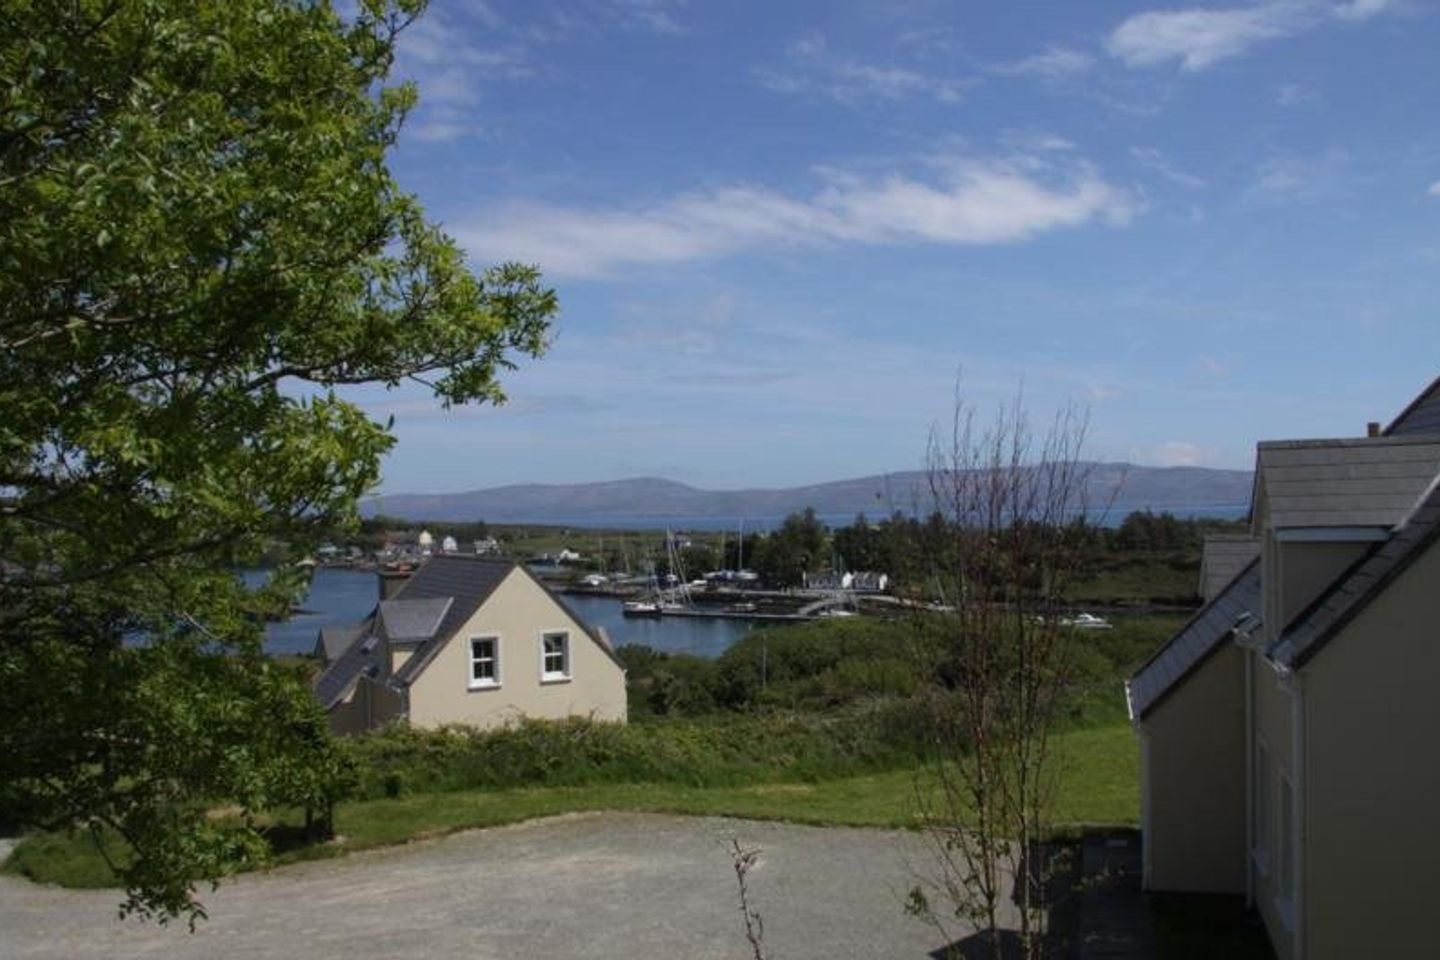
{"x": 1384, "y": 440}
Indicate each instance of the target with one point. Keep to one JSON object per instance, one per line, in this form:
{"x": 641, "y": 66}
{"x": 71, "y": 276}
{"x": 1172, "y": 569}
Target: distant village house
{"x": 468, "y": 640}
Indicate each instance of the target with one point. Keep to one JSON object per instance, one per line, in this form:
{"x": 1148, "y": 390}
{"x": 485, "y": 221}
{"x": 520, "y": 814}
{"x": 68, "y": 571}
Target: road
{"x": 634, "y": 886}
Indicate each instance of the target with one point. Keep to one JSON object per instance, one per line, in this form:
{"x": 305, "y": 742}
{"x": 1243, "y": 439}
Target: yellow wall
{"x": 1372, "y": 777}
{"x": 1195, "y": 780}
{"x": 1308, "y": 568}
{"x": 1273, "y": 714}
{"x": 518, "y": 612}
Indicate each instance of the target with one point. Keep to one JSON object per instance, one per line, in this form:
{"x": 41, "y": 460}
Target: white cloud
{"x": 653, "y": 16}
{"x": 1177, "y": 453}
{"x": 967, "y": 202}
{"x": 1152, "y": 159}
{"x": 1434, "y": 189}
{"x": 1213, "y": 368}
{"x": 451, "y": 71}
{"x": 1362, "y": 9}
{"x": 1292, "y": 178}
{"x": 1199, "y": 37}
{"x": 1293, "y": 94}
{"x": 1055, "y": 63}
{"x": 811, "y": 69}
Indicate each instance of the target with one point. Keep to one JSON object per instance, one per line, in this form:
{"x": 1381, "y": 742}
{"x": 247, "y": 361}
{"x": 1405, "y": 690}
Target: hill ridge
{"x": 1131, "y": 487}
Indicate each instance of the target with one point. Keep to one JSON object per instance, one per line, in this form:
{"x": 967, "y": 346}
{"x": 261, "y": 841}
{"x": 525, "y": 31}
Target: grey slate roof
{"x": 1204, "y": 634}
{"x": 1422, "y": 416}
{"x": 465, "y": 580}
{"x": 333, "y": 641}
{"x": 1356, "y": 482}
{"x": 1224, "y": 557}
{"x": 404, "y": 619}
{"x": 1363, "y": 582}
{"x": 337, "y": 679}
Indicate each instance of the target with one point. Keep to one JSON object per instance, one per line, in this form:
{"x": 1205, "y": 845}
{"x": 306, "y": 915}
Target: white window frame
{"x": 555, "y": 676}
{"x": 1262, "y": 830}
{"x": 485, "y": 683}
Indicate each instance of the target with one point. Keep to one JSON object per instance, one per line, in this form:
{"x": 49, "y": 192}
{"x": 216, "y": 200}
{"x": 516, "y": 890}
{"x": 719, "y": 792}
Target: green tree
{"x": 199, "y": 242}
{"x": 798, "y": 546}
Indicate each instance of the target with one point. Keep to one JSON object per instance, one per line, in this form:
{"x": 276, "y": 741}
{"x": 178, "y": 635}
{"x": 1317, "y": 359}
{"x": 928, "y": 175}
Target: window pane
{"x": 482, "y": 659}
{"x": 555, "y": 653}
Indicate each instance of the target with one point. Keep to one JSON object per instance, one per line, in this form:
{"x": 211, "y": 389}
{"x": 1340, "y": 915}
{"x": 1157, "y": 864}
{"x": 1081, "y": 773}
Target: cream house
{"x": 1287, "y": 730}
{"x": 468, "y": 640}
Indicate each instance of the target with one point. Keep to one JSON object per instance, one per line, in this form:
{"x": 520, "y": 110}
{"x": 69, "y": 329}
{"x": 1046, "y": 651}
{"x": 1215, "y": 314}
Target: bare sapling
{"x": 1008, "y": 513}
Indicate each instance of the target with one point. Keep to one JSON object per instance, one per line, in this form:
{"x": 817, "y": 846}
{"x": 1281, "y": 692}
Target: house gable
{"x": 1224, "y": 557}
{"x": 1366, "y": 580}
{"x": 1370, "y": 719}
{"x": 513, "y": 619}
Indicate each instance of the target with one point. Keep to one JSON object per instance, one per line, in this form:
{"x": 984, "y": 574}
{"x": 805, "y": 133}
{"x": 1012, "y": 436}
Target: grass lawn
{"x": 1099, "y": 784}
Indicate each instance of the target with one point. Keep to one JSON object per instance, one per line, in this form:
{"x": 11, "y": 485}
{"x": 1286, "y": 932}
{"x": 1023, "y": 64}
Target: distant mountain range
{"x": 638, "y": 502}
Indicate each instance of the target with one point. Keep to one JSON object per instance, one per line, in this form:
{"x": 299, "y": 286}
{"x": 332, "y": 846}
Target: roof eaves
{"x": 1363, "y": 581}
{"x": 1171, "y": 677}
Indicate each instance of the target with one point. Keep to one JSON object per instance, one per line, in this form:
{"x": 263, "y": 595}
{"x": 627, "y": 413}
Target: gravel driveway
{"x": 583, "y": 886}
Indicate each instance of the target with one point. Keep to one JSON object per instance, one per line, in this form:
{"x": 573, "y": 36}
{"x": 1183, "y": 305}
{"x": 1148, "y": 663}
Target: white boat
{"x": 640, "y": 608}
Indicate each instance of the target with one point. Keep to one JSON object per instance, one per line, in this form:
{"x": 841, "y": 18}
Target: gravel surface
{"x": 634, "y": 886}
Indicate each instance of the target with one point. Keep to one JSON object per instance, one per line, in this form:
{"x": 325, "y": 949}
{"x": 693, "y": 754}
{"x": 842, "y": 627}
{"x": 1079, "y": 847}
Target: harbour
{"x": 341, "y": 596}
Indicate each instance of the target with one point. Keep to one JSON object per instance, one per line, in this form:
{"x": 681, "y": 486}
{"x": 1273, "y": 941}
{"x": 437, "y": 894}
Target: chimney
{"x": 391, "y": 581}
{"x": 1372, "y": 429}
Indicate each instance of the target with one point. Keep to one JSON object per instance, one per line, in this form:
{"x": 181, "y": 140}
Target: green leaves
{"x": 200, "y": 247}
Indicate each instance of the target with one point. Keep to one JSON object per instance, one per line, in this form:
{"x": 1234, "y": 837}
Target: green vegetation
{"x": 1148, "y": 560}
{"x": 1099, "y": 777}
{"x": 822, "y": 723}
{"x": 199, "y": 241}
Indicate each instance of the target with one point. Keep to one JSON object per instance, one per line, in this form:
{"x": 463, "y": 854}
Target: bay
{"x": 338, "y": 597}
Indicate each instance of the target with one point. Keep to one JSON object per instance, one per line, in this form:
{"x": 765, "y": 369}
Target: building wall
{"x": 349, "y": 716}
{"x": 1308, "y": 568}
{"x": 368, "y": 706}
{"x": 1271, "y": 761}
{"x": 1372, "y": 777}
{"x": 518, "y": 612}
{"x": 1195, "y": 781}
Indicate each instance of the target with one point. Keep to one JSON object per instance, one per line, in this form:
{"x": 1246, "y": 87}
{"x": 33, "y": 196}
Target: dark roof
{"x": 1354, "y": 482}
{"x": 1363, "y": 582}
{"x": 1422, "y": 416}
{"x": 334, "y": 640}
{"x": 1224, "y": 557}
{"x": 470, "y": 580}
{"x": 403, "y": 619}
{"x": 1204, "y": 634}
{"x": 358, "y": 659}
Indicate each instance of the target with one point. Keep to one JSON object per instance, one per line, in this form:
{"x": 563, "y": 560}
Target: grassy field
{"x": 1098, "y": 770}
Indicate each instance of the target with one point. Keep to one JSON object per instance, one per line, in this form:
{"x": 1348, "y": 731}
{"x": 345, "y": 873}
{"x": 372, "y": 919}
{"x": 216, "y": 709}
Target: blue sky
{"x": 780, "y": 231}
